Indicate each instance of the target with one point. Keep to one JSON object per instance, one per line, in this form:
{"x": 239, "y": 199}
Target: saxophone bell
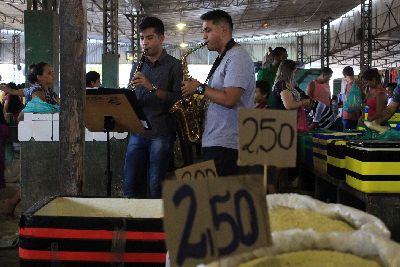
{"x": 187, "y": 109}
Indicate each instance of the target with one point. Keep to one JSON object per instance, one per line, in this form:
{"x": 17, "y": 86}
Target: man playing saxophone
{"x": 232, "y": 86}
{"x": 157, "y": 88}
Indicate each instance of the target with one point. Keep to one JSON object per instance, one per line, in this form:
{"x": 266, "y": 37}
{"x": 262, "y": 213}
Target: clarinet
{"x": 139, "y": 67}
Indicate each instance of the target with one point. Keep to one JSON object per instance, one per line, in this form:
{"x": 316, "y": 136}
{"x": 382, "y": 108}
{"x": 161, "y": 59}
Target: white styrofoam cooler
{"x": 45, "y": 127}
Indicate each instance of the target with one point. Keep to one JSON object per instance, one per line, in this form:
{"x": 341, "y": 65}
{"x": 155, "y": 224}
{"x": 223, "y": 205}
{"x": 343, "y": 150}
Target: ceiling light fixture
{"x": 183, "y": 45}
{"x": 129, "y": 56}
{"x": 181, "y": 25}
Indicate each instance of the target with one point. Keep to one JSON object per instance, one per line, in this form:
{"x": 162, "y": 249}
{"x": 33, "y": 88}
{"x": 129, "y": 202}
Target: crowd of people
{"x": 366, "y": 90}
{"x": 316, "y": 108}
{"x": 230, "y": 85}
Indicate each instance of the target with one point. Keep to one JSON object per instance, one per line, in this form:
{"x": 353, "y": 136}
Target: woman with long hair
{"x": 376, "y": 96}
{"x": 286, "y": 97}
{"x": 284, "y": 93}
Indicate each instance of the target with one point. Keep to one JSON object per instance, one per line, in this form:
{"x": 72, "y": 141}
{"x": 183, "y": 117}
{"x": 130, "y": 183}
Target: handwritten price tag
{"x": 202, "y": 170}
{"x": 211, "y": 218}
{"x": 267, "y": 137}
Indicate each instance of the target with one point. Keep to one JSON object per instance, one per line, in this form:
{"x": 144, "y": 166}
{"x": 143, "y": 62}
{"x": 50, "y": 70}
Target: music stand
{"x": 113, "y": 110}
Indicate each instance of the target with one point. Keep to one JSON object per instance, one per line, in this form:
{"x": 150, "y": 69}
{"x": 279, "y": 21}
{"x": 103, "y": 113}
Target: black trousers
{"x": 225, "y": 159}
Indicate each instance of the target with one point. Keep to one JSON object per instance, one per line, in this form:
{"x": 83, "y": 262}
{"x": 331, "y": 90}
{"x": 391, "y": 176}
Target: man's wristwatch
{"x": 200, "y": 89}
{"x": 153, "y": 88}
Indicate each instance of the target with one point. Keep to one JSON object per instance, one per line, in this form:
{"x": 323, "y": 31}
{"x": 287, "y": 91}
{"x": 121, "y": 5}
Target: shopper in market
{"x": 13, "y": 105}
{"x": 352, "y": 100}
{"x": 284, "y": 94}
{"x": 92, "y": 80}
{"x": 268, "y": 58}
{"x": 232, "y": 86}
{"x": 388, "y": 112}
{"x": 41, "y": 77}
{"x": 389, "y": 92}
{"x": 376, "y": 95}
{"x": 268, "y": 73}
{"x": 261, "y": 95}
{"x": 323, "y": 117}
{"x": 319, "y": 88}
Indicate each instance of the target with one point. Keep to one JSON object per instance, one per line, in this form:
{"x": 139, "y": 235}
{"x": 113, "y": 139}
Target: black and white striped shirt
{"x": 322, "y": 115}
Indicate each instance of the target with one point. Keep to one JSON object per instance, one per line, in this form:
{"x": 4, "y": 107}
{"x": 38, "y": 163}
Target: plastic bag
{"x": 361, "y": 220}
{"x": 301, "y": 120}
{"x": 353, "y": 101}
{"x": 362, "y": 244}
{"x": 36, "y": 105}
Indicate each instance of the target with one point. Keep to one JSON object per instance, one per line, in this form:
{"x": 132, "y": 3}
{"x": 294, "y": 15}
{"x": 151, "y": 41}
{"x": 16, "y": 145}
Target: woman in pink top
{"x": 376, "y": 95}
{"x": 319, "y": 88}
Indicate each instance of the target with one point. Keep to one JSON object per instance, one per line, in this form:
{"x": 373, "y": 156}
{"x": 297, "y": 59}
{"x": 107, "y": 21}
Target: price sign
{"x": 267, "y": 137}
{"x": 202, "y": 170}
{"x": 211, "y": 218}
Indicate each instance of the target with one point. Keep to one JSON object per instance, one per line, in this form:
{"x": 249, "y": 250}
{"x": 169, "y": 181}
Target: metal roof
{"x": 249, "y": 16}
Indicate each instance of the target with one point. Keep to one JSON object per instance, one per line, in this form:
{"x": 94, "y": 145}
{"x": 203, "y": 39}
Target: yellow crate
{"x": 373, "y": 186}
{"x": 372, "y": 166}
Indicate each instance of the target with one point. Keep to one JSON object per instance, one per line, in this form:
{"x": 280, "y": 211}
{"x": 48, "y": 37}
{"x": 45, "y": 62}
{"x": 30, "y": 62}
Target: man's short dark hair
{"x": 278, "y": 50}
{"x": 217, "y": 16}
{"x": 326, "y": 71}
{"x": 92, "y": 76}
{"x": 263, "y": 85}
{"x": 348, "y": 71}
{"x": 371, "y": 74}
{"x": 152, "y": 22}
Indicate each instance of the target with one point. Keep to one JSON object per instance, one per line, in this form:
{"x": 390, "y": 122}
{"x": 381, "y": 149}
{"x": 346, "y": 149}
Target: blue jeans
{"x": 146, "y": 156}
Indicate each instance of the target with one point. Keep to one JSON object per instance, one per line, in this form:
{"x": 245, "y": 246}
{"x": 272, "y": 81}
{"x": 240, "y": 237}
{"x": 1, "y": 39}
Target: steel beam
{"x": 300, "y": 49}
{"x": 366, "y": 36}
{"x": 325, "y": 42}
{"x": 110, "y": 27}
{"x": 135, "y": 44}
{"x": 195, "y": 5}
{"x": 16, "y": 45}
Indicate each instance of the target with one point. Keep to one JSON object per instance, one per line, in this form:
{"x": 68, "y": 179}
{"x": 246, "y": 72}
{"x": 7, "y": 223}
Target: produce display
{"x": 311, "y": 258}
{"x": 294, "y": 211}
{"x": 283, "y": 218}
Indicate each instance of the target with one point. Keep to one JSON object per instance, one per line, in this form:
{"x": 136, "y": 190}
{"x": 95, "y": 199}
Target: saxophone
{"x": 139, "y": 67}
{"x": 188, "y": 110}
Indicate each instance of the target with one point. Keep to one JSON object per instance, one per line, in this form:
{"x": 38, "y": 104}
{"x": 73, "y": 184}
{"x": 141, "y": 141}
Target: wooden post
{"x": 72, "y": 90}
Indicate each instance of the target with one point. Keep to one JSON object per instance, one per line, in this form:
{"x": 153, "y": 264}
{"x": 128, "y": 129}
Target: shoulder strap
{"x": 218, "y": 60}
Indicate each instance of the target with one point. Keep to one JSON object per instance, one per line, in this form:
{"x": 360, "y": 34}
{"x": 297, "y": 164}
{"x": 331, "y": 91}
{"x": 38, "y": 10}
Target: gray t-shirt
{"x": 221, "y": 125}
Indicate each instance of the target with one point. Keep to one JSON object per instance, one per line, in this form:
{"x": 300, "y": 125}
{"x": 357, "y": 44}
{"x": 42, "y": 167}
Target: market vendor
{"x": 388, "y": 112}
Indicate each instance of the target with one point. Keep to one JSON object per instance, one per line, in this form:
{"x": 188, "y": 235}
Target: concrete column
{"x": 42, "y": 32}
{"x": 110, "y": 70}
